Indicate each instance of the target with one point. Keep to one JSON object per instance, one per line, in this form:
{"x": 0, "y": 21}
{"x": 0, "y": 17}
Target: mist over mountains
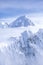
{"x": 19, "y": 45}
{"x": 19, "y": 22}
{"x": 27, "y": 48}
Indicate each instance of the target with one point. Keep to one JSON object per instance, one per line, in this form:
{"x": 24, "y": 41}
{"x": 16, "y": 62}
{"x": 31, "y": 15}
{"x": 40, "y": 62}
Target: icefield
{"x": 21, "y": 42}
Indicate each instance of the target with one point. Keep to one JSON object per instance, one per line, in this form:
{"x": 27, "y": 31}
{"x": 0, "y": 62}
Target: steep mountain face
{"x": 40, "y": 37}
{"x": 21, "y": 21}
{"x": 27, "y": 47}
{"x": 23, "y": 44}
{"x": 40, "y": 33}
{"x": 19, "y": 51}
{"x": 25, "y": 50}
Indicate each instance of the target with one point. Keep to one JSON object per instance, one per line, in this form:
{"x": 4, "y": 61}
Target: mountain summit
{"x": 21, "y": 21}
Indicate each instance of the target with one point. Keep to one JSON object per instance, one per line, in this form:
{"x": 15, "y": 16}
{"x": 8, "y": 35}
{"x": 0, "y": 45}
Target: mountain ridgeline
{"x": 28, "y": 48}
{"x": 21, "y": 21}
{"x": 27, "y": 42}
{"x": 25, "y": 49}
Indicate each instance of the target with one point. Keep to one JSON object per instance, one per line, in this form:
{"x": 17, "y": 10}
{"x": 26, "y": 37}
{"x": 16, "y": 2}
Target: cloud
{"x": 26, "y": 4}
{"x": 15, "y": 7}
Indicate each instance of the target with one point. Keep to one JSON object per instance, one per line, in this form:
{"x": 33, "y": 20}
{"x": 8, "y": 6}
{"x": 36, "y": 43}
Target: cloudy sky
{"x": 9, "y": 8}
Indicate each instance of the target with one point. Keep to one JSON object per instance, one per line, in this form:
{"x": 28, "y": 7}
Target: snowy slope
{"x": 21, "y": 21}
{"x": 27, "y": 48}
{"x": 21, "y": 45}
{"x": 16, "y": 49}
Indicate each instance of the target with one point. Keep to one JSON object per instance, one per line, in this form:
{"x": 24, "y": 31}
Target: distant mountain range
{"x": 19, "y": 22}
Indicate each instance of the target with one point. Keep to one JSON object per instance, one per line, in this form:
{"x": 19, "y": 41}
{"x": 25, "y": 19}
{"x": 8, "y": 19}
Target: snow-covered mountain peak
{"x": 21, "y": 21}
{"x": 26, "y": 48}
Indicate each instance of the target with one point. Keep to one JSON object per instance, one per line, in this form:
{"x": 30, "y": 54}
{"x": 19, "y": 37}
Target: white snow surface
{"x": 14, "y": 49}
